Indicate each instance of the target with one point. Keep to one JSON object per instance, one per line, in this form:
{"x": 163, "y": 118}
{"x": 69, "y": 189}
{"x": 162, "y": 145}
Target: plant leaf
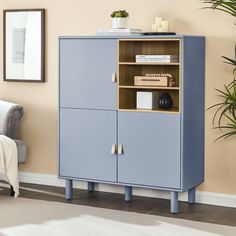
{"x": 230, "y": 61}
{"x": 227, "y": 135}
{"x": 233, "y": 121}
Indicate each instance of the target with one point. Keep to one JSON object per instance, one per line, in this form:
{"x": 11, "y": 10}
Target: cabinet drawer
{"x": 151, "y": 149}
{"x": 86, "y": 69}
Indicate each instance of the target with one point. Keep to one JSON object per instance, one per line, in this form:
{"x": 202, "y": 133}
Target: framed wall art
{"x": 24, "y": 45}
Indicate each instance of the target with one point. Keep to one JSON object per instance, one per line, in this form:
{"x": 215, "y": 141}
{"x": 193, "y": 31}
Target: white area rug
{"x": 26, "y": 217}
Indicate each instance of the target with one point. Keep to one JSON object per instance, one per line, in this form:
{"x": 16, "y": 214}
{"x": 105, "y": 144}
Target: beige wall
{"x": 78, "y": 17}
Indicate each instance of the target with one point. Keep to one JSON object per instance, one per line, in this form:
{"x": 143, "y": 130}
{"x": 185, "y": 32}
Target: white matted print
{"x": 24, "y": 45}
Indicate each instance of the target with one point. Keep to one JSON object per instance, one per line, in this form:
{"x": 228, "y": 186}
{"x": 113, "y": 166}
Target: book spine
{"x": 154, "y": 60}
{"x": 153, "y": 56}
{"x": 156, "y": 57}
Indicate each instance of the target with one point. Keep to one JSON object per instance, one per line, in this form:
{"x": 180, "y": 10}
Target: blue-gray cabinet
{"x": 104, "y": 138}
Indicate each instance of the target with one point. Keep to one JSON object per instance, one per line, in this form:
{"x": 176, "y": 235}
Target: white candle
{"x": 165, "y": 25}
{"x": 154, "y": 28}
{"x": 158, "y": 21}
{"x": 160, "y": 29}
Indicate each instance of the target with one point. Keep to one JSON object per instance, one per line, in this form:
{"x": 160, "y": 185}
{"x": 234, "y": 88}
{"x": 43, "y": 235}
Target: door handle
{"x": 113, "y": 77}
{"x": 113, "y": 149}
{"x": 120, "y": 149}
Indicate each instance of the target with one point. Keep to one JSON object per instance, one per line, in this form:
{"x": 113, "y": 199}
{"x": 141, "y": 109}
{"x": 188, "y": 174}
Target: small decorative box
{"x": 151, "y": 81}
{"x": 147, "y": 100}
{"x": 161, "y": 80}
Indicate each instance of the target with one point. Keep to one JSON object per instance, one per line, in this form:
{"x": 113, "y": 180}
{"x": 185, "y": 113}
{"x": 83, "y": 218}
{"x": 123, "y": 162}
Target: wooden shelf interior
{"x": 128, "y": 49}
{"x": 128, "y": 97}
{"x": 127, "y": 72}
{"x": 128, "y": 68}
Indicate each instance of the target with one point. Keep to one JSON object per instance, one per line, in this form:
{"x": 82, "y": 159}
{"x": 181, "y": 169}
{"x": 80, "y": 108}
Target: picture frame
{"x": 24, "y": 45}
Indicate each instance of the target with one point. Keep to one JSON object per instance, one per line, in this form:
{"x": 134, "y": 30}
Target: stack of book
{"x": 157, "y": 58}
{"x": 123, "y": 32}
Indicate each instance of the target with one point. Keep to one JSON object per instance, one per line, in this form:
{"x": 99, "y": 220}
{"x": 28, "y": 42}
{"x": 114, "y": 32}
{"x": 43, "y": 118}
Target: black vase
{"x": 165, "y": 101}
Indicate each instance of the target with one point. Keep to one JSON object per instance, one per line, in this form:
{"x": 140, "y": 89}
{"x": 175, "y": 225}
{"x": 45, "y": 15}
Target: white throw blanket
{"x": 9, "y": 162}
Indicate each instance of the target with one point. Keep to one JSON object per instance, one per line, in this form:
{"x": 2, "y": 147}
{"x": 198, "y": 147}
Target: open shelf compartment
{"x": 128, "y": 68}
{"x": 128, "y": 49}
{"x": 127, "y": 73}
{"x": 128, "y": 99}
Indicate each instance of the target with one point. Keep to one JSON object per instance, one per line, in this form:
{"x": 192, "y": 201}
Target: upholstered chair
{"x": 10, "y": 115}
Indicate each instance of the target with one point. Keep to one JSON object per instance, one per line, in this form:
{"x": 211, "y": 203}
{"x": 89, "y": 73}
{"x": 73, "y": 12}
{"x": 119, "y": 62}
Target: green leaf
{"x": 228, "y": 7}
{"x": 230, "y": 61}
{"x": 224, "y": 127}
{"x": 233, "y": 121}
{"x": 218, "y": 104}
{"x": 226, "y": 95}
{"x": 232, "y": 84}
{"x": 227, "y": 135}
{"x": 221, "y": 115}
{"x": 214, "y": 117}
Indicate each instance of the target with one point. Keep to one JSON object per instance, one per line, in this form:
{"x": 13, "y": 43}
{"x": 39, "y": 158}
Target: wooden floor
{"x": 153, "y": 206}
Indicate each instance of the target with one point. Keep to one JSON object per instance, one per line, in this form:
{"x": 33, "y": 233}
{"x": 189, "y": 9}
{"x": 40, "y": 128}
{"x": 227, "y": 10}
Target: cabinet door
{"x": 86, "y": 68}
{"x": 86, "y": 138}
{"x": 151, "y": 149}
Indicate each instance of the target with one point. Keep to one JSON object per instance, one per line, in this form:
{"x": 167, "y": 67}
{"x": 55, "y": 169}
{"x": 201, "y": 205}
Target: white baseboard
{"x": 219, "y": 199}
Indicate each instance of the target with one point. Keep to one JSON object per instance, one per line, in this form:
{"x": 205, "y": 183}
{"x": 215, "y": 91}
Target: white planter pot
{"x": 119, "y": 23}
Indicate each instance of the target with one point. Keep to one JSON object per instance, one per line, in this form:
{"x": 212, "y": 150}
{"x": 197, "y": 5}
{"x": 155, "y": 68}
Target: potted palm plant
{"x": 227, "y": 107}
{"x": 119, "y": 19}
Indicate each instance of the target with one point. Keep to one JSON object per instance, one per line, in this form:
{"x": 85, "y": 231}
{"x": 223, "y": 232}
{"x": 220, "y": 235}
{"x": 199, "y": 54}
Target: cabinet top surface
{"x": 131, "y": 37}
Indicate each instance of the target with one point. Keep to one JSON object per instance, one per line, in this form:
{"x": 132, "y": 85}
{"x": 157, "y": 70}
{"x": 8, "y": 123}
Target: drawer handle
{"x": 113, "y": 78}
{"x": 113, "y": 149}
{"x": 120, "y": 149}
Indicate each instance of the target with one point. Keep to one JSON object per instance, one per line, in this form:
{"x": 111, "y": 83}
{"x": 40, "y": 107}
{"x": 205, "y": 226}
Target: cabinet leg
{"x": 91, "y": 186}
{"x": 69, "y": 189}
{"x": 128, "y": 194}
{"x": 192, "y": 195}
{"x": 174, "y": 204}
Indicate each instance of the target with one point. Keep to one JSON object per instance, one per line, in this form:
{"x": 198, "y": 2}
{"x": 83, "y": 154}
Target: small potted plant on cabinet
{"x": 119, "y": 19}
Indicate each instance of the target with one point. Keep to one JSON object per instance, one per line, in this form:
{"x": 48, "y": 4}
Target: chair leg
{"x": 12, "y": 192}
